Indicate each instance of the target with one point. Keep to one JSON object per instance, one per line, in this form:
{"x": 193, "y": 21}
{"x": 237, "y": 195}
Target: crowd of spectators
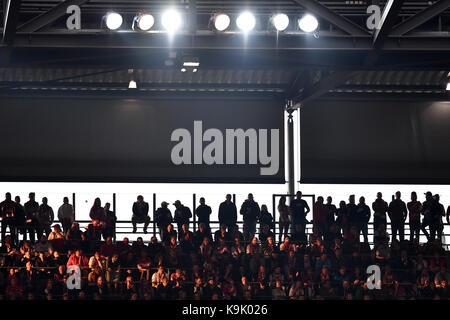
{"x": 328, "y": 263}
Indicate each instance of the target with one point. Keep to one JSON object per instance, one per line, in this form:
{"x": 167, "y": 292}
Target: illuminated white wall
{"x": 214, "y": 193}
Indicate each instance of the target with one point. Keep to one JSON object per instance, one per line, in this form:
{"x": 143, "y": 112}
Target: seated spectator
{"x": 56, "y": 238}
{"x": 158, "y": 276}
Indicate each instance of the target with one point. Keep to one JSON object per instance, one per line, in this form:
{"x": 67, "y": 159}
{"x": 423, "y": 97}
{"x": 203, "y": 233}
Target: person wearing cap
{"x": 163, "y": 217}
{"x": 181, "y": 215}
{"x": 140, "y": 214}
{"x": 397, "y": 213}
{"x": 414, "y": 209}
{"x": 250, "y": 212}
{"x": 431, "y": 213}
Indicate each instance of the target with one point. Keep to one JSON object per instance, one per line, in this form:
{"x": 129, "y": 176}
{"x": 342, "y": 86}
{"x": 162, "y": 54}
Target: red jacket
{"x": 81, "y": 261}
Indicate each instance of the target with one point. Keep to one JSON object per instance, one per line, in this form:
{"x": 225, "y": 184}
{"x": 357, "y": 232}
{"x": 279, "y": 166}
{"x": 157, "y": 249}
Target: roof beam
{"x": 11, "y": 15}
{"x": 420, "y": 18}
{"x": 327, "y": 83}
{"x": 50, "y": 16}
{"x": 390, "y": 14}
{"x": 334, "y": 18}
{"x": 225, "y": 42}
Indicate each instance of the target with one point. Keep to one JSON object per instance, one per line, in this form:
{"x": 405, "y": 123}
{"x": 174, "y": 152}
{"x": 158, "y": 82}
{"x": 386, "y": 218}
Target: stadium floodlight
{"x": 113, "y": 20}
{"x": 280, "y": 21}
{"x": 448, "y": 86}
{"x": 308, "y": 23}
{"x": 145, "y": 21}
{"x": 132, "y": 85}
{"x": 221, "y": 21}
{"x": 171, "y": 20}
{"x": 246, "y": 21}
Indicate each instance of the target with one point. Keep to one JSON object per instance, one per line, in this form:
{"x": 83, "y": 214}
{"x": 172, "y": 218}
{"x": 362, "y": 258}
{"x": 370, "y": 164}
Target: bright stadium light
{"x": 221, "y": 21}
{"x": 308, "y": 23}
{"x": 280, "y": 21}
{"x": 171, "y": 20}
{"x": 246, "y": 21}
{"x": 132, "y": 85}
{"x": 113, "y": 20}
{"x": 448, "y": 86}
{"x": 145, "y": 21}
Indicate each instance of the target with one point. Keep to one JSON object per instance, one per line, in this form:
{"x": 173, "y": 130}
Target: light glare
{"x": 280, "y": 21}
{"x": 308, "y": 23}
{"x": 113, "y": 20}
{"x": 246, "y": 21}
{"x": 171, "y": 20}
{"x": 132, "y": 85}
{"x": 145, "y": 22}
{"x": 221, "y": 22}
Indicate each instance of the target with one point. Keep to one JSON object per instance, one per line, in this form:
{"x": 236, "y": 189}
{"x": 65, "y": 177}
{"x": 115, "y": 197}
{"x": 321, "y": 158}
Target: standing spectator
{"x": 431, "y": 211}
{"x": 45, "y": 218}
{"x": 250, "y": 212}
{"x": 342, "y": 217}
{"x": 228, "y": 213}
{"x": 109, "y": 229}
{"x": 20, "y": 218}
{"x": 320, "y": 212}
{"x": 439, "y": 222}
{"x": 331, "y": 212}
{"x": 97, "y": 214}
{"x": 203, "y": 212}
{"x": 299, "y": 211}
{"x": 414, "y": 209}
{"x": 363, "y": 214}
{"x": 380, "y": 209}
{"x": 163, "y": 217}
{"x": 285, "y": 217}
{"x": 351, "y": 212}
{"x": 447, "y": 216}
{"x": 31, "y": 213}
{"x": 265, "y": 218}
{"x": 66, "y": 214}
{"x": 181, "y": 215}
{"x": 397, "y": 213}
{"x": 140, "y": 214}
{"x": 7, "y": 212}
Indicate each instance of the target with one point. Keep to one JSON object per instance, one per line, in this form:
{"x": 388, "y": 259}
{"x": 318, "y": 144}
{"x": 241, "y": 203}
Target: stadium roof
{"x": 409, "y": 54}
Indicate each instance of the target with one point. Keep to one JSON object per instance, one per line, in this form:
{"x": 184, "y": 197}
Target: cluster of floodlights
{"x": 172, "y": 20}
